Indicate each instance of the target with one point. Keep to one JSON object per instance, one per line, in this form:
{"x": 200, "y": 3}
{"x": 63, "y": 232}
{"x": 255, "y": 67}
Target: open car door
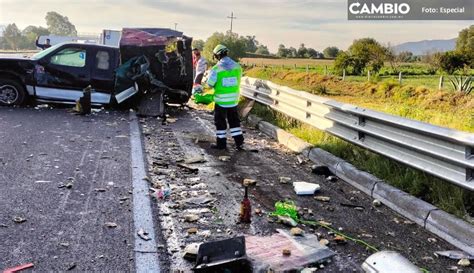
{"x": 127, "y": 75}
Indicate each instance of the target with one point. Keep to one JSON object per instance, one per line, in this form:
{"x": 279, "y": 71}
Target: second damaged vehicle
{"x": 149, "y": 65}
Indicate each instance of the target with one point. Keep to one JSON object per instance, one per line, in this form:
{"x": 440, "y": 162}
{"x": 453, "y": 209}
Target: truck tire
{"x": 11, "y": 92}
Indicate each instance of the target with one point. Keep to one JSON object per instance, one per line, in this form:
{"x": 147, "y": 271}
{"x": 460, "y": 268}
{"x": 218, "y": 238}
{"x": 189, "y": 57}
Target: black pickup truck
{"x": 147, "y": 59}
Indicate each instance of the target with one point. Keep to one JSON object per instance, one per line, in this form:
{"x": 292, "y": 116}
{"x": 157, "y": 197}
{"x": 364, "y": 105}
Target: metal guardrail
{"x": 442, "y": 152}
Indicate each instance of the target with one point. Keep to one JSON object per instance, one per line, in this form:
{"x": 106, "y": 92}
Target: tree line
{"x": 15, "y": 39}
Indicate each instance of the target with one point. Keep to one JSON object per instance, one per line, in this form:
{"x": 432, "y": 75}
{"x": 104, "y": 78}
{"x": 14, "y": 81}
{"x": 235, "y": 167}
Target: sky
{"x": 316, "y": 23}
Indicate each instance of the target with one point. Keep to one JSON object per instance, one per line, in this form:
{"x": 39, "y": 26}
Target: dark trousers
{"x": 222, "y": 116}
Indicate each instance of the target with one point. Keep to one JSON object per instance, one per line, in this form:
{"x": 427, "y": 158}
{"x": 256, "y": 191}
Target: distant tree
{"x": 251, "y": 43}
{"x": 12, "y": 36}
{"x": 404, "y": 57}
{"x": 292, "y": 53}
{"x": 451, "y": 61}
{"x": 233, "y": 41}
{"x": 331, "y": 52}
{"x": 312, "y": 53}
{"x": 198, "y": 44}
{"x": 302, "y": 51}
{"x": 282, "y": 52}
{"x": 363, "y": 54}
{"x": 59, "y": 25}
{"x": 31, "y": 32}
{"x": 465, "y": 44}
{"x": 261, "y": 49}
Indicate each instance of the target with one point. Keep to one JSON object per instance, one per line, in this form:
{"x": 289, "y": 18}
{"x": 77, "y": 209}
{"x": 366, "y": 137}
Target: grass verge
{"x": 444, "y": 108}
{"x": 442, "y": 194}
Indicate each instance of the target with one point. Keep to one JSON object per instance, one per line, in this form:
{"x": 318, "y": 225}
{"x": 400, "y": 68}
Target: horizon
{"x": 316, "y": 24}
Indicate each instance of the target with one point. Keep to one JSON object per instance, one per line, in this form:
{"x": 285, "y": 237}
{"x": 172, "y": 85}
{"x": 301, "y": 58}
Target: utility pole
{"x": 175, "y": 25}
{"x": 231, "y": 17}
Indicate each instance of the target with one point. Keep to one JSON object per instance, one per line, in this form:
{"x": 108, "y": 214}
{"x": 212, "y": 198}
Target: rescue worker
{"x": 43, "y": 46}
{"x": 225, "y": 77}
{"x": 199, "y": 65}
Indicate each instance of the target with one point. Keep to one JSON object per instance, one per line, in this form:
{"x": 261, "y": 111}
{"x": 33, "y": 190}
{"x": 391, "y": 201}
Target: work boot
{"x": 218, "y": 147}
{"x": 221, "y": 144}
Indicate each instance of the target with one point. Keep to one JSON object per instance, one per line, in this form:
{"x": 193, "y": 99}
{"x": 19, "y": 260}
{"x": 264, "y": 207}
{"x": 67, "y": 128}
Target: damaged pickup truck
{"x": 149, "y": 63}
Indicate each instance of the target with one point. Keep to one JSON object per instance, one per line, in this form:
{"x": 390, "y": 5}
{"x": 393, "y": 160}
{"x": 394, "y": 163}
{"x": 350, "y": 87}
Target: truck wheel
{"x": 11, "y": 92}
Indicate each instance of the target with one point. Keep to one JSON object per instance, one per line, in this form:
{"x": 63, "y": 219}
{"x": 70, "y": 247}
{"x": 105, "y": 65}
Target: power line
{"x": 231, "y": 17}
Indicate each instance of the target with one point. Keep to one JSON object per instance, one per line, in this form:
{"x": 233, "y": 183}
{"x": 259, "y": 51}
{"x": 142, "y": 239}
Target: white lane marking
{"x": 146, "y": 257}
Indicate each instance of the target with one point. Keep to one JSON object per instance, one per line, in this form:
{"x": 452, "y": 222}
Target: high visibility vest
{"x": 227, "y": 86}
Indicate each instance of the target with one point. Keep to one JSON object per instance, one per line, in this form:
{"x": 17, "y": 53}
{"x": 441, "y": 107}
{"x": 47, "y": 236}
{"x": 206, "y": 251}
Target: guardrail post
{"x": 368, "y": 75}
{"x": 400, "y": 78}
{"x": 344, "y": 74}
{"x": 326, "y": 70}
{"x": 440, "y": 86}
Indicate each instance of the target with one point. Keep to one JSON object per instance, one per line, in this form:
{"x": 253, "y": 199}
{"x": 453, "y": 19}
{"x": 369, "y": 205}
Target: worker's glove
{"x": 197, "y": 89}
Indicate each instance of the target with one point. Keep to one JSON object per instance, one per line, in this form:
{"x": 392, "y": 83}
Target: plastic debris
{"x": 305, "y": 188}
{"x": 18, "y": 268}
{"x": 387, "y": 261}
{"x": 322, "y": 198}
{"x": 464, "y": 262}
{"x": 143, "y": 234}
{"x": 454, "y": 254}
{"x": 249, "y": 182}
{"x": 286, "y": 209}
{"x": 111, "y": 224}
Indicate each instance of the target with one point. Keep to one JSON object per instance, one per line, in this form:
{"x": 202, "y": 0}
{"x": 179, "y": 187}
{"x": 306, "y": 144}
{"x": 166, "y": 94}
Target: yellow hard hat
{"x": 220, "y": 49}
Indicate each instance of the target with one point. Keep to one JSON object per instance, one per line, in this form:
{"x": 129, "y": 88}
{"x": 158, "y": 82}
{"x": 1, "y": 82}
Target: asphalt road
{"x": 64, "y": 177}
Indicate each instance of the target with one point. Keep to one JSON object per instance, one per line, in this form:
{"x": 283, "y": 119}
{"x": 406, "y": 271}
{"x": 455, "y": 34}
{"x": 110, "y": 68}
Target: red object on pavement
{"x": 18, "y": 268}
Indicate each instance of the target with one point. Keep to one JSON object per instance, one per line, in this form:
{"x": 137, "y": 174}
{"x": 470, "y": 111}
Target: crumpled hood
{"x": 227, "y": 63}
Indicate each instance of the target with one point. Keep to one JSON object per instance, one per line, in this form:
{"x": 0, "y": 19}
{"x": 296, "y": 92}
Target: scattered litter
{"x": 249, "y": 182}
{"x": 387, "y": 261}
{"x": 322, "y": 198}
{"x": 300, "y": 159}
{"x": 286, "y": 252}
{"x": 191, "y": 218}
{"x": 191, "y": 251}
{"x": 19, "y": 220}
{"x": 222, "y": 256}
{"x": 194, "y": 160}
{"x": 324, "y": 242}
{"x": 464, "y": 262}
{"x": 201, "y": 200}
{"x": 258, "y": 212}
{"x": 321, "y": 170}
{"x": 428, "y": 259}
{"x": 192, "y": 230}
{"x": 64, "y": 244}
{"x": 110, "y": 224}
{"x": 3, "y": 226}
{"x": 224, "y": 158}
{"x": 376, "y": 203}
{"x": 351, "y": 205}
{"x": 71, "y": 266}
{"x": 296, "y": 231}
{"x": 331, "y": 178}
{"x": 287, "y": 221}
{"x": 18, "y": 268}
{"x": 188, "y": 168}
{"x": 340, "y": 239}
{"x": 69, "y": 185}
{"x": 432, "y": 240}
{"x": 171, "y": 120}
{"x": 143, "y": 234}
{"x": 162, "y": 193}
{"x": 284, "y": 180}
{"x": 324, "y": 223}
{"x": 286, "y": 209}
{"x": 42, "y": 181}
{"x": 305, "y": 188}
{"x": 99, "y": 189}
{"x": 454, "y": 254}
